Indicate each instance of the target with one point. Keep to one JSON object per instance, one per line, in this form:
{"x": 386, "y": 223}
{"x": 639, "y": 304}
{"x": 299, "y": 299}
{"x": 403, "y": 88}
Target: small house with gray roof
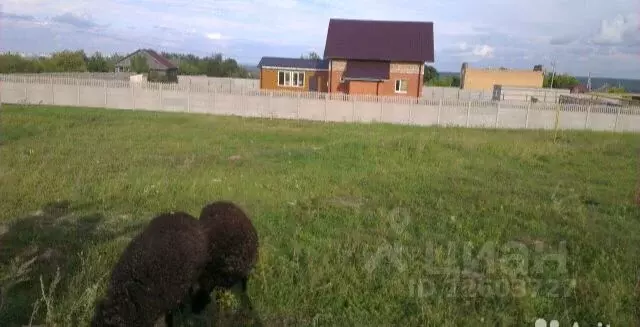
{"x": 360, "y": 57}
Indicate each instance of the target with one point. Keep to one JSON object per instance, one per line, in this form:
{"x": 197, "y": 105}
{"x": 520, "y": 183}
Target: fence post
{"x": 526, "y": 119}
{"x": 439, "y": 111}
{"x": 53, "y": 91}
{"x": 353, "y": 109}
{"x": 557, "y": 124}
{"x": 213, "y": 104}
{"x": 78, "y": 93}
{"x": 381, "y": 110}
{"x": 468, "y": 113}
{"x": 26, "y": 93}
{"x": 298, "y": 107}
{"x": 270, "y": 100}
{"x": 586, "y": 119}
{"x": 106, "y": 90}
{"x": 161, "y": 97}
{"x": 497, "y": 114}
{"x": 615, "y": 125}
{"x": 326, "y": 103}
{"x": 133, "y": 95}
{"x": 411, "y": 113}
{"x": 189, "y": 97}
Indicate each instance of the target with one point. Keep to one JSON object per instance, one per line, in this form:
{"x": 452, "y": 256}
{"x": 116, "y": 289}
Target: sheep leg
{"x": 248, "y": 314}
{"x": 168, "y": 319}
{"x": 245, "y": 294}
{"x": 200, "y": 300}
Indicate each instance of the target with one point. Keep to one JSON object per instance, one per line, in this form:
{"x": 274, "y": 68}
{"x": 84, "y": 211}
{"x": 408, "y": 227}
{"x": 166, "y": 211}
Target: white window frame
{"x": 289, "y": 77}
{"x": 398, "y": 86}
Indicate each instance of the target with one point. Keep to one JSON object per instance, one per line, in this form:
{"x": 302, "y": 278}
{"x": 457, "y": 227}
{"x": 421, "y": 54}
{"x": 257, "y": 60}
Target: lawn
{"x": 348, "y": 215}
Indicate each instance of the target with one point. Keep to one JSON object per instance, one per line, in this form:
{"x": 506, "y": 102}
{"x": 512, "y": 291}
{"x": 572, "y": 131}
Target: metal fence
{"x": 247, "y": 102}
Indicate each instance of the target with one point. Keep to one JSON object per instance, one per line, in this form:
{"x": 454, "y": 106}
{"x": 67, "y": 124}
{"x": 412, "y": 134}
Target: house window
{"x": 401, "y": 86}
{"x": 291, "y": 78}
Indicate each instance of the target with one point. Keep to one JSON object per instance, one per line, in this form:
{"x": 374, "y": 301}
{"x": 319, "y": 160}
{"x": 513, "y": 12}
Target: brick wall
{"x": 398, "y": 70}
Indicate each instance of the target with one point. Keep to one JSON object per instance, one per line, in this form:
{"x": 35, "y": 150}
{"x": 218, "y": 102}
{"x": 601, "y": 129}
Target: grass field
{"x": 327, "y": 200}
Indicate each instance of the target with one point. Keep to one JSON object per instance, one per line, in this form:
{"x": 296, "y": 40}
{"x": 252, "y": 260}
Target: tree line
{"x": 78, "y": 61}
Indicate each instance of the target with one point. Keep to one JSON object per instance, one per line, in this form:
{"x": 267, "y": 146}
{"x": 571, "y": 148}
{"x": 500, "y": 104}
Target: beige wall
{"x": 485, "y": 79}
{"x": 314, "y": 80}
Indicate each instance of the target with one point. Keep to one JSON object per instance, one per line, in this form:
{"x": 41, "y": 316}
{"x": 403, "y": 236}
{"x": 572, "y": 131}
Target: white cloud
{"x": 617, "y": 30}
{"x": 214, "y": 36}
{"x": 484, "y": 51}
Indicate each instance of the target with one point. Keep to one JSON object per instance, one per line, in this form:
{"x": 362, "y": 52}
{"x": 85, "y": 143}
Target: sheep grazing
{"x": 155, "y": 273}
{"x": 233, "y": 252}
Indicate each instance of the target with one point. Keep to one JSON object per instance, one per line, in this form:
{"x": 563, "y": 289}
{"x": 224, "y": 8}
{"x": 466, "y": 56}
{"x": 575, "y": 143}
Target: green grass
{"x": 323, "y": 198}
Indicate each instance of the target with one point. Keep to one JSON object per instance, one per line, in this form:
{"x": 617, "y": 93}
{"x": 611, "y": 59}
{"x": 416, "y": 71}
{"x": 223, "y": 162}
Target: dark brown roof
{"x": 162, "y": 60}
{"x": 157, "y": 57}
{"x": 379, "y": 40}
{"x": 367, "y": 70}
{"x": 293, "y": 63}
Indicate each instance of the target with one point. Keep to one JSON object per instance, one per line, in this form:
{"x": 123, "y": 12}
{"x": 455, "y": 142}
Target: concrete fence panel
{"x": 204, "y": 98}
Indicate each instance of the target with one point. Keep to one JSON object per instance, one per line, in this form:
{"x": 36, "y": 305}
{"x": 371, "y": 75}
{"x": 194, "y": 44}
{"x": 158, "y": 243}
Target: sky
{"x": 580, "y": 36}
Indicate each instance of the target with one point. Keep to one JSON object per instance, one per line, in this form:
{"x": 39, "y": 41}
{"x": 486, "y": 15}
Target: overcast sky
{"x": 598, "y": 36}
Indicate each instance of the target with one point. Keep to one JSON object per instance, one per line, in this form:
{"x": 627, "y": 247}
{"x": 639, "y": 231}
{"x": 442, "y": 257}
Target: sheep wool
{"x": 233, "y": 250}
{"x": 155, "y": 273}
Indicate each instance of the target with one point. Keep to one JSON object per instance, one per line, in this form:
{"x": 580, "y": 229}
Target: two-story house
{"x": 360, "y": 57}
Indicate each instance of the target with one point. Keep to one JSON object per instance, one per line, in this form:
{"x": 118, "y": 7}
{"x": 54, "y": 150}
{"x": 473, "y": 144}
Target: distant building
{"x": 484, "y": 79}
{"x": 159, "y": 66}
{"x": 360, "y": 57}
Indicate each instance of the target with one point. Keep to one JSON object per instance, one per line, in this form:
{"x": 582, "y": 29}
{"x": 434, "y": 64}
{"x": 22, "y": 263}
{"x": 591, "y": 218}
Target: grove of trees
{"x": 432, "y": 78}
{"x": 78, "y": 61}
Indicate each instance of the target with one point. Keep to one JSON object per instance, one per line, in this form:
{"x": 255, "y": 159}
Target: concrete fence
{"x": 230, "y": 84}
{"x": 201, "y": 98}
{"x": 515, "y": 93}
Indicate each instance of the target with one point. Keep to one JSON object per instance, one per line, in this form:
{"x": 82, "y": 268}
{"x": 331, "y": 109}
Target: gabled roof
{"x": 156, "y": 56}
{"x": 379, "y": 40}
{"x": 298, "y": 63}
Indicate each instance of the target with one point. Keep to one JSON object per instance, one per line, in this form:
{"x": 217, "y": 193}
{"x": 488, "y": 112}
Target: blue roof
{"x": 293, "y": 63}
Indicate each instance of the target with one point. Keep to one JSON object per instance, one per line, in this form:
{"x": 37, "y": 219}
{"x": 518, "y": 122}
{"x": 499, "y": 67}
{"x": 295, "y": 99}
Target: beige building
{"x": 484, "y": 79}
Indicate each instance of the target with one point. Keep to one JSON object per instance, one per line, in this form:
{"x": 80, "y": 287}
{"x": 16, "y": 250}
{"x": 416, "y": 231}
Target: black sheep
{"x": 233, "y": 251}
{"x": 155, "y": 273}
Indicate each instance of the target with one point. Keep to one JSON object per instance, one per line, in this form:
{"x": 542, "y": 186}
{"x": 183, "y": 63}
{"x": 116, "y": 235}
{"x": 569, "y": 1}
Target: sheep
{"x": 155, "y": 274}
{"x": 233, "y": 252}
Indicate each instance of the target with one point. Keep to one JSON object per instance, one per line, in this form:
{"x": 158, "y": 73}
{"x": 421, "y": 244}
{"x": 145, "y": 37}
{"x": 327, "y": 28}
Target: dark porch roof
{"x": 379, "y": 40}
{"x": 280, "y": 62}
{"x": 367, "y": 70}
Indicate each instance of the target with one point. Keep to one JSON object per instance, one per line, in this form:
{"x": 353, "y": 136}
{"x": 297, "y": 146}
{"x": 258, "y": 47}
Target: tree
{"x": 68, "y": 61}
{"x": 78, "y": 61}
{"x": 97, "y": 63}
{"x": 430, "y": 74}
{"x": 560, "y": 81}
{"x": 139, "y": 64}
{"x": 312, "y": 55}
